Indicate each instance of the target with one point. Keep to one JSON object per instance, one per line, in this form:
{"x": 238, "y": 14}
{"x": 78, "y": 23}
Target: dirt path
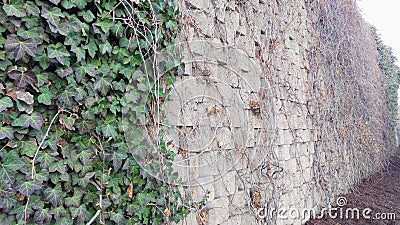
{"x": 380, "y": 193}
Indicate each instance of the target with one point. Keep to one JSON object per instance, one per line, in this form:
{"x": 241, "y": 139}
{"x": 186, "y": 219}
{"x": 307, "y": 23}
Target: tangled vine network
{"x": 346, "y": 100}
{"x": 349, "y": 92}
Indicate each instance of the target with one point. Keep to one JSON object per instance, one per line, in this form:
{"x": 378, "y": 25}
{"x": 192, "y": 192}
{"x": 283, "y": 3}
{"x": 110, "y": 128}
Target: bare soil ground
{"x": 380, "y": 193}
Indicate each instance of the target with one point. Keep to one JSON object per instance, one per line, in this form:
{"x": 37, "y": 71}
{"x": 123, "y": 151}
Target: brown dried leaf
{"x": 201, "y": 218}
{"x": 12, "y": 93}
{"x": 20, "y": 197}
{"x": 130, "y": 190}
{"x": 182, "y": 151}
{"x": 255, "y": 106}
{"x": 167, "y": 213}
{"x": 213, "y": 110}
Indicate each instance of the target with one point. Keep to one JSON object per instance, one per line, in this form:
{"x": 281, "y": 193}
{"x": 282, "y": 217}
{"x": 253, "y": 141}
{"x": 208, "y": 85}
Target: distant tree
{"x": 389, "y": 69}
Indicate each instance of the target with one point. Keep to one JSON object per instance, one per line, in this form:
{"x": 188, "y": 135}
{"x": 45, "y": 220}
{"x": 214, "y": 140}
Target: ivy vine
{"x": 66, "y": 69}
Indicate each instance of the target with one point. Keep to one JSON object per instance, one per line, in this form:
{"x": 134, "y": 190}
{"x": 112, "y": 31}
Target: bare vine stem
{"x": 41, "y": 143}
{"x": 26, "y": 209}
{"x": 100, "y": 204}
{"x": 100, "y": 146}
{"x": 34, "y": 158}
{"x": 94, "y": 217}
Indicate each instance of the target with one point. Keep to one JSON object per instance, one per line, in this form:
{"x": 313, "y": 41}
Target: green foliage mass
{"x": 387, "y": 64}
{"x": 68, "y": 60}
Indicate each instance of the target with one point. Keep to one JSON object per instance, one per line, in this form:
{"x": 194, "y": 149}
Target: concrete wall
{"x": 244, "y": 119}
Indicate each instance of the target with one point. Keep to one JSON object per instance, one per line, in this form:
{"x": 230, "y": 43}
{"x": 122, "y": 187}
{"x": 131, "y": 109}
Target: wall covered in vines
{"x": 302, "y": 97}
{"x": 290, "y": 108}
{"x": 66, "y": 74}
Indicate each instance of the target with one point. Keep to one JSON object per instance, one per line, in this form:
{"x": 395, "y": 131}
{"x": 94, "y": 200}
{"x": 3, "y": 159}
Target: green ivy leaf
{"x": 109, "y": 130}
{"x": 80, "y": 53}
{"x": 66, "y": 220}
{"x": 46, "y": 96}
{"x": 10, "y": 163}
{"x": 17, "y": 8}
{"x": 105, "y": 25}
{"x": 21, "y": 212}
{"x": 54, "y": 195}
{"x": 87, "y": 15}
{"x": 83, "y": 69}
{"x": 104, "y": 69}
{"x": 35, "y": 120}
{"x": 55, "y": 2}
{"x": 75, "y": 200}
{"x": 118, "y": 217}
{"x": 42, "y": 176}
{"x": 80, "y": 94}
{"x": 68, "y": 121}
{"x": 92, "y": 48}
{"x": 8, "y": 203}
{"x": 22, "y": 79}
{"x": 65, "y": 99}
{"x": 58, "y": 166}
{"x": 52, "y": 15}
{"x": 79, "y": 3}
{"x": 6, "y": 190}
{"x": 28, "y": 148}
{"x": 43, "y": 58}
{"x": 31, "y": 21}
{"x": 87, "y": 168}
{"x": 4, "y": 64}
{"x": 73, "y": 39}
{"x": 58, "y": 212}
{"x": 29, "y": 33}
{"x": 84, "y": 181}
{"x": 103, "y": 85}
{"x": 171, "y": 24}
{"x": 67, "y": 4}
{"x": 85, "y": 126}
{"x": 115, "y": 107}
{"x": 28, "y": 187}
{"x": 132, "y": 96}
{"x": 63, "y": 72}
{"x": 114, "y": 183}
{"x": 25, "y": 97}
{"x": 20, "y": 46}
{"x": 32, "y": 9}
{"x": 78, "y": 213}
{"x": 46, "y": 159}
{"x": 23, "y": 107}
{"x": 105, "y": 47}
{"x": 57, "y": 51}
{"x": 2, "y": 41}
{"x": 119, "y": 86}
{"x": 85, "y": 156}
{"x": 5, "y": 103}
{"x": 72, "y": 25}
{"x": 51, "y": 142}
{"x": 117, "y": 157}
{"x": 42, "y": 215}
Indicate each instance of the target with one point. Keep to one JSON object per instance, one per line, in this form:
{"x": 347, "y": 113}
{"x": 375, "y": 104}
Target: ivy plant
{"x": 66, "y": 69}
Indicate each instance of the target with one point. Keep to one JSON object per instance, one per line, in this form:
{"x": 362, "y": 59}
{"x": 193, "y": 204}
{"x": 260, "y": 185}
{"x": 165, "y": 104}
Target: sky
{"x": 385, "y": 16}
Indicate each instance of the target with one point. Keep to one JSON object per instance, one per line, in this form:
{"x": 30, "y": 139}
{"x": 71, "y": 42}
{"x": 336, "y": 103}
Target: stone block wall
{"x": 242, "y": 118}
